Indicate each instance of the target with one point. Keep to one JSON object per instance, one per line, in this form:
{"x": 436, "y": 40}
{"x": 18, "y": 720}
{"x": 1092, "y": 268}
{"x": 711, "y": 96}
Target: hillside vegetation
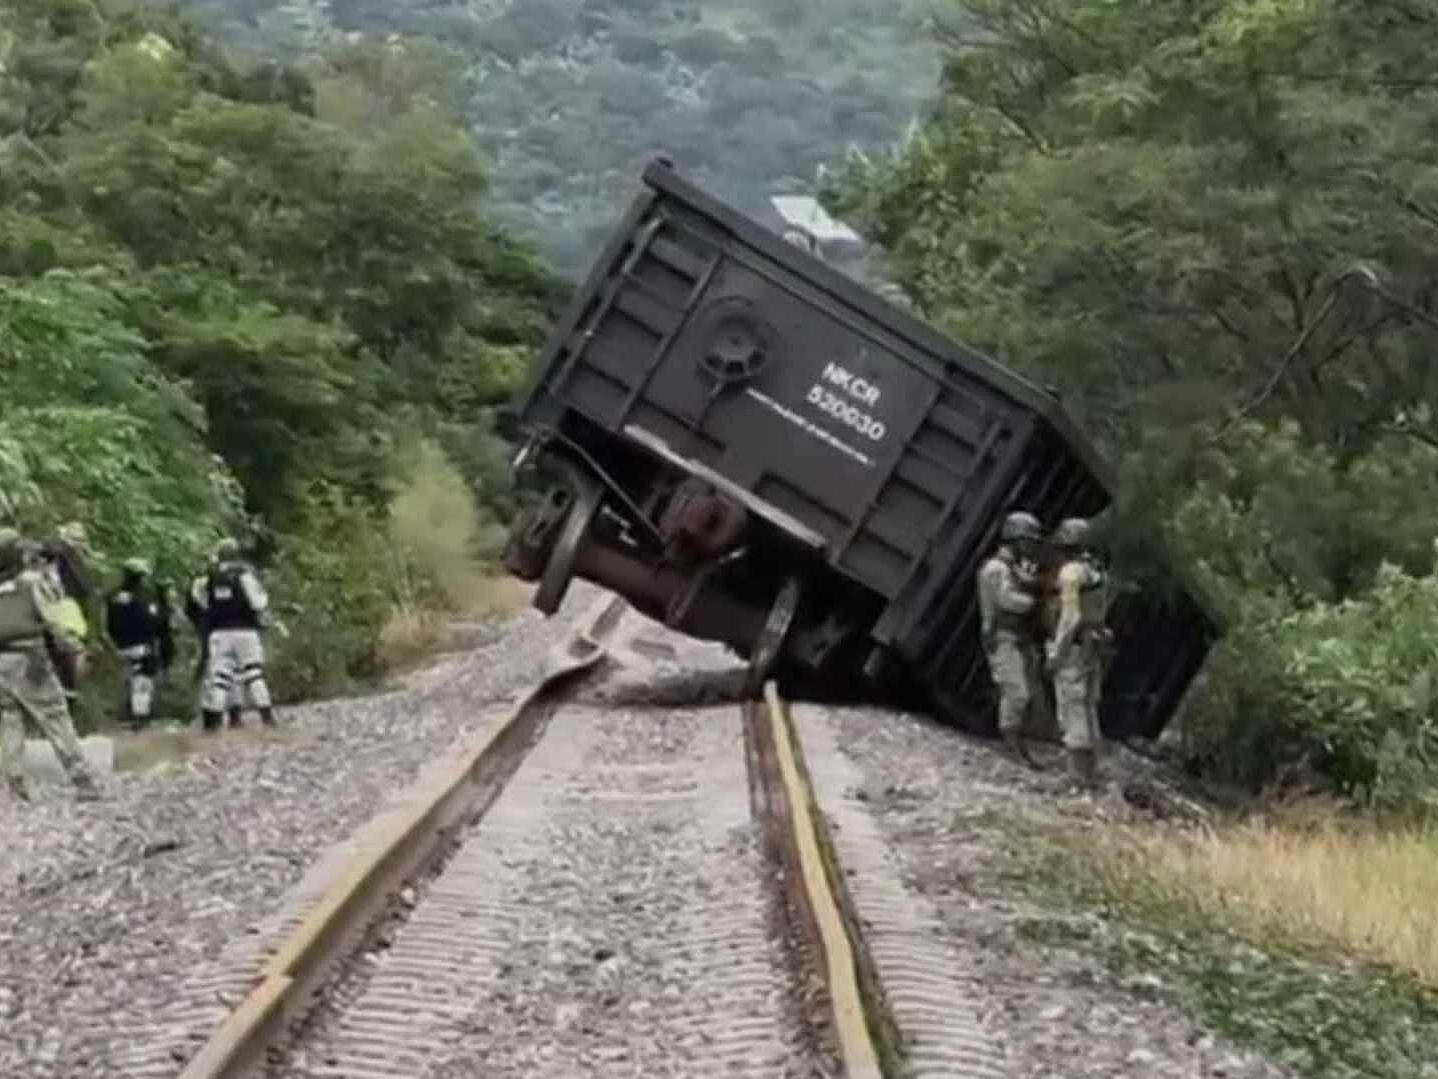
{"x": 271, "y": 293}
{"x": 1215, "y": 227}
{"x": 260, "y": 300}
{"x": 569, "y": 98}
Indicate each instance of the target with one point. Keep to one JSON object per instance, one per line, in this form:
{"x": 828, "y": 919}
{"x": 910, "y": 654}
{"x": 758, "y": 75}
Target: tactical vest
{"x": 1093, "y": 594}
{"x": 226, "y": 604}
{"x": 994, "y": 619}
{"x": 19, "y": 617}
{"x": 134, "y": 619}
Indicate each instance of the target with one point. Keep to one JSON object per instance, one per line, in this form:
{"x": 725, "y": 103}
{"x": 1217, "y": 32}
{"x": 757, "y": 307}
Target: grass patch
{"x": 1303, "y": 942}
{"x": 412, "y": 635}
{"x": 408, "y": 636}
{"x": 1369, "y": 890}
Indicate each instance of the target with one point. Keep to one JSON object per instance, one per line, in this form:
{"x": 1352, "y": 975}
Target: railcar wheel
{"x": 559, "y": 570}
{"x": 772, "y": 637}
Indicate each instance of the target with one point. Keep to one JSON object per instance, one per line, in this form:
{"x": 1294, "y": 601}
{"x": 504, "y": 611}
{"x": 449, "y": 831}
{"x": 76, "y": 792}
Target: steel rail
{"x": 798, "y": 840}
{"x": 392, "y": 848}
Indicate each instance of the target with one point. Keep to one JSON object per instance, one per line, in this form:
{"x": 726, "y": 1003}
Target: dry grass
{"x": 443, "y": 560}
{"x": 506, "y": 595}
{"x": 1307, "y": 872}
{"x": 412, "y": 635}
{"x": 409, "y": 636}
{"x": 434, "y": 520}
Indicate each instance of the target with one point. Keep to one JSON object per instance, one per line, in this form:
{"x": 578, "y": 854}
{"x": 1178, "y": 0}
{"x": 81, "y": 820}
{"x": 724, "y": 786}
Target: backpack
{"x": 19, "y": 618}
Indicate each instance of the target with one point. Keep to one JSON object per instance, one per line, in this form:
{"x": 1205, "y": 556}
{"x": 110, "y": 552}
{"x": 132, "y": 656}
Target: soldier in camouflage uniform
{"x": 29, "y": 602}
{"x": 64, "y": 560}
{"x": 1075, "y": 654}
{"x": 1008, "y": 586}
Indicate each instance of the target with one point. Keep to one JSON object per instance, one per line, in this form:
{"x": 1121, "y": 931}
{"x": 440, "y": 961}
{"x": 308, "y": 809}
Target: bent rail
{"x": 392, "y": 848}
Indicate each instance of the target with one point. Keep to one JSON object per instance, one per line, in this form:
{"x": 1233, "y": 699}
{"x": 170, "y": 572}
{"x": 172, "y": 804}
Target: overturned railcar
{"x": 752, "y": 448}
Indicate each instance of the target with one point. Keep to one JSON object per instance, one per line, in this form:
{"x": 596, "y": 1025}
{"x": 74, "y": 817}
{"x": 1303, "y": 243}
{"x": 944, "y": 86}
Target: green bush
{"x": 1362, "y": 672}
{"x": 332, "y": 590}
{"x": 1318, "y": 564}
{"x": 1342, "y": 692}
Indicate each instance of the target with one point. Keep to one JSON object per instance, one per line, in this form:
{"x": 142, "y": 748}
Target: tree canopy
{"x": 232, "y": 297}
{"x": 1212, "y": 225}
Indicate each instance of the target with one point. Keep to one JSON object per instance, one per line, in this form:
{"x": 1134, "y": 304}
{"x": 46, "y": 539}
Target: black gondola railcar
{"x": 754, "y": 449}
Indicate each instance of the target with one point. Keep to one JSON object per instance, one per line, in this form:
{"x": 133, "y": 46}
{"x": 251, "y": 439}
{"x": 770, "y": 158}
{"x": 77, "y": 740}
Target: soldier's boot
{"x": 19, "y": 789}
{"x": 236, "y": 717}
{"x": 267, "y": 717}
{"x": 1083, "y": 769}
{"x": 212, "y": 721}
{"x": 86, "y": 789}
{"x": 1014, "y": 743}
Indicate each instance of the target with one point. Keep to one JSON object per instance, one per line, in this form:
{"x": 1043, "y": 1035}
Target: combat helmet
{"x": 1021, "y": 526}
{"x": 1073, "y": 533}
{"x": 227, "y": 550}
{"x": 137, "y": 567}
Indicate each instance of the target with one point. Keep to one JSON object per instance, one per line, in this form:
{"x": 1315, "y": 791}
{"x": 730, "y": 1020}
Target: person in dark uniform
{"x": 137, "y": 618}
{"x": 235, "y": 608}
{"x": 195, "y": 612}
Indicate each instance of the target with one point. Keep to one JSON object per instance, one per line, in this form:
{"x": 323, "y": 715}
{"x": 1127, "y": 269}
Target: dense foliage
{"x": 569, "y": 98}
{"x": 1214, "y": 226}
{"x": 235, "y": 298}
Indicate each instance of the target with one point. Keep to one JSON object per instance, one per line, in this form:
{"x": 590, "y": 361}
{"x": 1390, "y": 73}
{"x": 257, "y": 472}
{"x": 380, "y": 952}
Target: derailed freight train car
{"x": 753, "y": 449}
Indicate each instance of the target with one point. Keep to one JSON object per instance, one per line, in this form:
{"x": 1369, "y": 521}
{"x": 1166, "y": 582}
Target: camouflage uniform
{"x": 29, "y": 688}
{"x": 64, "y": 563}
{"x": 1006, "y": 587}
{"x": 1075, "y": 653}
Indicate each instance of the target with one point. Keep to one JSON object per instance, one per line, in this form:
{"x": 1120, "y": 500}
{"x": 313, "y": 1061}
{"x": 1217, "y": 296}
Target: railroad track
{"x": 599, "y": 885}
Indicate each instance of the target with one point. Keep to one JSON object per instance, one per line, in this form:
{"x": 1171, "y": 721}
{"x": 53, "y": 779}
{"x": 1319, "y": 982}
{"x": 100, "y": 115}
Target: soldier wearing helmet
{"x": 231, "y": 605}
{"x": 30, "y": 604}
{"x": 1008, "y": 586}
{"x": 137, "y": 618}
{"x": 1074, "y": 654}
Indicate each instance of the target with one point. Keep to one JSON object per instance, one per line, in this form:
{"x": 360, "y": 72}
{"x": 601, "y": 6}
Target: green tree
{"x": 1211, "y": 227}
{"x": 93, "y": 431}
{"x": 236, "y": 292}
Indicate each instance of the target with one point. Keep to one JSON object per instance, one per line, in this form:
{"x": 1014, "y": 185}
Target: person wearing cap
{"x": 234, "y": 607}
{"x": 29, "y": 688}
{"x": 137, "y": 619}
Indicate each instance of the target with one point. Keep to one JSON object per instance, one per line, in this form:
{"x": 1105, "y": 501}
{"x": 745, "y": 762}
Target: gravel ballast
{"x": 105, "y": 908}
{"x": 937, "y": 799}
{"x": 609, "y": 915}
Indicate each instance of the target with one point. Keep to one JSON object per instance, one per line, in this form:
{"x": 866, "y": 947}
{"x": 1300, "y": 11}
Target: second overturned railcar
{"x": 754, "y": 449}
